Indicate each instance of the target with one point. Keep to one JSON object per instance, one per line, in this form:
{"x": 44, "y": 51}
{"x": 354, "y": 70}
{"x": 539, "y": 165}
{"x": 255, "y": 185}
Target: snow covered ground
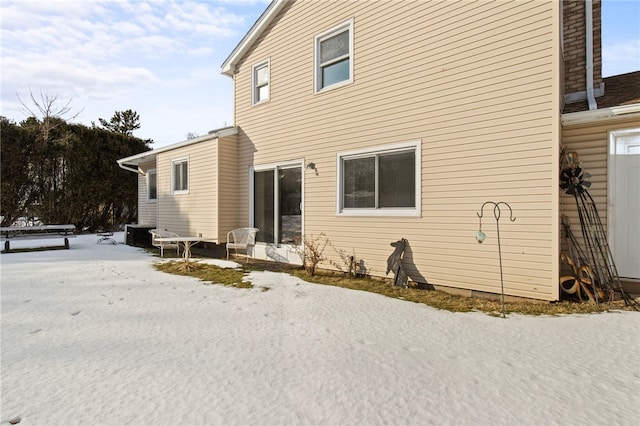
{"x": 95, "y": 335}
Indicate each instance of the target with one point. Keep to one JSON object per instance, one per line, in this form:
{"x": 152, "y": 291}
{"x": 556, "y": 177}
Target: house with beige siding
{"x": 607, "y": 141}
{"x": 368, "y": 122}
{"x": 188, "y": 187}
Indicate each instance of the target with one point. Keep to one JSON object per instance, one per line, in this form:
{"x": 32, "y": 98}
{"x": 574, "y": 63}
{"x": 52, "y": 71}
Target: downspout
{"x": 138, "y": 170}
{"x": 588, "y": 10}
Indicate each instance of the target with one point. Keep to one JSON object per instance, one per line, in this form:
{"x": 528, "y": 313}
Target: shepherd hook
{"x": 480, "y": 236}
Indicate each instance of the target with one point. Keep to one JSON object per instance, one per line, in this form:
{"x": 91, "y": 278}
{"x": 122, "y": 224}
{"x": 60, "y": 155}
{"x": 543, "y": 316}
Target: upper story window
{"x": 381, "y": 181}
{"x": 334, "y": 57}
{"x": 180, "y": 176}
{"x": 260, "y": 82}
{"x": 152, "y": 185}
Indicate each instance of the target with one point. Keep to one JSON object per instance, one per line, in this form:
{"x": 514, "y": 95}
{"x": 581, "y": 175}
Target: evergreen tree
{"x": 67, "y": 173}
{"x": 124, "y": 122}
{"x": 16, "y": 188}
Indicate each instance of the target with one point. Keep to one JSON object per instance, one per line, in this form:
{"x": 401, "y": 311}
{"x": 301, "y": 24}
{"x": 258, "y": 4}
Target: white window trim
{"x": 149, "y": 173}
{"x": 274, "y": 166}
{"x": 317, "y": 75}
{"x": 390, "y": 148}
{"x": 254, "y": 93}
{"x": 173, "y": 163}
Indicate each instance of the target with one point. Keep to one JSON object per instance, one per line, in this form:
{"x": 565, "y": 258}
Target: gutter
{"x": 588, "y": 10}
{"x": 592, "y": 116}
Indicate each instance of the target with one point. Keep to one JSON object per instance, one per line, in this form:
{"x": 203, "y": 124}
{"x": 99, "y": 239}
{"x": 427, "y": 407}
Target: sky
{"x": 162, "y": 58}
{"x": 95, "y": 335}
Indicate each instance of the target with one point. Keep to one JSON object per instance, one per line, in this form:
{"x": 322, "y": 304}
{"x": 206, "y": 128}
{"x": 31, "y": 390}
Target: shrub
{"x": 311, "y": 250}
{"x": 349, "y": 263}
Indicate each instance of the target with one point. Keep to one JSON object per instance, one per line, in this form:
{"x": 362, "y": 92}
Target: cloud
{"x": 89, "y": 42}
{"x": 245, "y": 2}
{"x": 201, "y": 19}
{"x": 200, "y": 51}
{"x": 77, "y": 78}
{"x": 621, "y": 57}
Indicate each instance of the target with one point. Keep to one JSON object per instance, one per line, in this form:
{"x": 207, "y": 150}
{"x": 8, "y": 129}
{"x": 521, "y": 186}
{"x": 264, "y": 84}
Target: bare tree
{"x": 47, "y": 122}
{"x": 48, "y": 111}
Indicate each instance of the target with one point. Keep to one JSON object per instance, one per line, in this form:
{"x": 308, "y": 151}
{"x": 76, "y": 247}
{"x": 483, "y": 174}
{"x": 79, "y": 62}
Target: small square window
{"x": 334, "y": 57}
{"x": 260, "y": 82}
{"x": 180, "y": 176}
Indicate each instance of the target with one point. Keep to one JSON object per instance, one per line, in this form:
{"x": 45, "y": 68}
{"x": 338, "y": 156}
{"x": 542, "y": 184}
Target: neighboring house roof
{"x": 229, "y": 65}
{"x": 143, "y": 157}
{"x": 619, "y": 90}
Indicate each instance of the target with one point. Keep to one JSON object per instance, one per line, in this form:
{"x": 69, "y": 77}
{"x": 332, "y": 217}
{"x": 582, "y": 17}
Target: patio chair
{"x": 106, "y": 236}
{"x": 241, "y": 239}
{"x": 163, "y": 233}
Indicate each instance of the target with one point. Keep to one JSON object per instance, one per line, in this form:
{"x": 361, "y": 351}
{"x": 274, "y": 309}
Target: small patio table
{"x": 187, "y": 242}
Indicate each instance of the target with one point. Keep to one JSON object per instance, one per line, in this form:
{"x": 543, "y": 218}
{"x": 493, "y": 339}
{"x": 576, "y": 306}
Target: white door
{"x": 624, "y": 201}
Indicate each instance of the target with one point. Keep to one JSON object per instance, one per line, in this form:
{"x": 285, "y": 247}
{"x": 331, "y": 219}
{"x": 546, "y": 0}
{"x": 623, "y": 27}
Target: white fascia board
{"x": 229, "y": 65}
{"x": 150, "y": 155}
{"x": 599, "y": 114}
{"x": 227, "y": 131}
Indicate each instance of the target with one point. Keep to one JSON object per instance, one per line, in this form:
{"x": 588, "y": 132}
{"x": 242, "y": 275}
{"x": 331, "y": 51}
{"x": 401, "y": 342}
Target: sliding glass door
{"x": 277, "y": 204}
{"x": 264, "y": 209}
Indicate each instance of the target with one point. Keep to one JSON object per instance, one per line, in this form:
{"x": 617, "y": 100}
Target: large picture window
{"x": 260, "y": 79}
{"x": 382, "y": 181}
{"x": 334, "y": 57}
{"x": 180, "y": 176}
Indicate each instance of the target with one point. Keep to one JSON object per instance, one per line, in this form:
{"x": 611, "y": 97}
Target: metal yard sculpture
{"x": 394, "y": 263}
{"x": 594, "y": 273}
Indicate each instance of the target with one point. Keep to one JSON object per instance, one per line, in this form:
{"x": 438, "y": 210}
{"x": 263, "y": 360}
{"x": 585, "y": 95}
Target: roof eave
{"x": 582, "y": 117}
{"x": 143, "y": 157}
{"x": 229, "y": 65}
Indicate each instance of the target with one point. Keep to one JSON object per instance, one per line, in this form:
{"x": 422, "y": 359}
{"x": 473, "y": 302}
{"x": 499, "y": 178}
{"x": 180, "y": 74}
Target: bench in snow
{"x": 16, "y": 233}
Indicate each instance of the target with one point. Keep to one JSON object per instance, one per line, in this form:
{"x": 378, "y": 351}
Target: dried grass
{"x": 208, "y": 273}
{"x": 434, "y": 298}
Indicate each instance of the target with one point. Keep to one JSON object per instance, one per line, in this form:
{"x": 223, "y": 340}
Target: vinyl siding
{"x": 230, "y": 178}
{"x": 473, "y": 81}
{"x": 146, "y": 210}
{"x": 194, "y": 213}
{"x": 591, "y": 142}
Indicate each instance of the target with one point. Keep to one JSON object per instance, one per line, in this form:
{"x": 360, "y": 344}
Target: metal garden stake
{"x": 480, "y": 236}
